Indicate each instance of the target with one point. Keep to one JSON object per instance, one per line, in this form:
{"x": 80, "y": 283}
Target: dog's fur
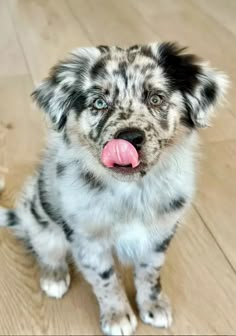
{"x": 77, "y": 206}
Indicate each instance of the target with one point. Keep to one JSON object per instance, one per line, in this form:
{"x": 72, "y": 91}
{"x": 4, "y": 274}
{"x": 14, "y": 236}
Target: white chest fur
{"x": 129, "y": 214}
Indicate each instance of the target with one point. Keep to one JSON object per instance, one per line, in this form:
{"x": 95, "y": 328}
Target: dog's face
{"x": 151, "y": 96}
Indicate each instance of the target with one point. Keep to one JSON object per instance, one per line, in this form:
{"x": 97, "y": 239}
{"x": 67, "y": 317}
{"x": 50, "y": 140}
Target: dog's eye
{"x": 100, "y": 104}
{"x": 155, "y": 99}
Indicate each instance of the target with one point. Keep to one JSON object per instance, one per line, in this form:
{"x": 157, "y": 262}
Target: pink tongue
{"x": 119, "y": 152}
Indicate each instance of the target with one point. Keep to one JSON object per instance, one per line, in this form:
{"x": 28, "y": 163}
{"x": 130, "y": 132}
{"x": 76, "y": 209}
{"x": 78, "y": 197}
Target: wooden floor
{"x": 200, "y": 274}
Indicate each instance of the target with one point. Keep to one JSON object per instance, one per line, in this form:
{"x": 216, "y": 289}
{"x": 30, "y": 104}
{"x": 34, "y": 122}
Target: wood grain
{"x": 12, "y": 60}
{"x": 217, "y": 194}
{"x": 109, "y": 22}
{"x": 53, "y": 32}
{"x": 222, "y": 12}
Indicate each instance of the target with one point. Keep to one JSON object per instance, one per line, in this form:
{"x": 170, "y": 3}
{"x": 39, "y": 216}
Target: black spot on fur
{"x": 66, "y": 138}
{"x": 146, "y": 51}
{"x": 116, "y": 94}
{"x": 107, "y": 274}
{"x": 60, "y": 169}
{"x": 52, "y": 213}
{"x": 12, "y": 218}
{"x": 62, "y": 122}
{"x": 186, "y": 120}
{"x": 149, "y": 128}
{"x": 103, "y": 48}
{"x": 123, "y": 116}
{"x": 43, "y": 222}
{"x": 157, "y": 286}
{"x": 92, "y": 181}
{"x": 208, "y": 93}
{"x": 134, "y": 47}
{"x": 162, "y": 247}
{"x": 43, "y": 95}
{"x": 162, "y": 143}
{"x": 155, "y": 290}
{"x": 99, "y": 69}
{"x": 67, "y": 230}
{"x": 147, "y": 69}
{"x": 143, "y": 265}
{"x": 123, "y": 70}
{"x": 28, "y": 246}
{"x": 128, "y": 317}
{"x": 132, "y": 52}
{"x": 177, "y": 204}
{"x": 79, "y": 103}
{"x": 174, "y": 205}
{"x": 100, "y": 126}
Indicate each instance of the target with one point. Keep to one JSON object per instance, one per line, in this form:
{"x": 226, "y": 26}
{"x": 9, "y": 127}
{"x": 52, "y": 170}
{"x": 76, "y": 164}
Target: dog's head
{"x": 149, "y": 96}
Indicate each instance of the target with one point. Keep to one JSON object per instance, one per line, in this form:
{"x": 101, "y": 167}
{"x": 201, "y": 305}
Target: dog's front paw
{"x": 157, "y": 313}
{"x": 55, "y": 288}
{"x": 118, "y": 323}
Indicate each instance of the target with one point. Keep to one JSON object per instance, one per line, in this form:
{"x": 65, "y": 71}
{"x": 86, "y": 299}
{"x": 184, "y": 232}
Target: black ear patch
{"x": 181, "y": 69}
{"x": 200, "y": 86}
{"x": 208, "y": 93}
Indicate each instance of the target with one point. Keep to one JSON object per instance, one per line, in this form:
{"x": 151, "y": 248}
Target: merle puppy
{"x": 118, "y": 171}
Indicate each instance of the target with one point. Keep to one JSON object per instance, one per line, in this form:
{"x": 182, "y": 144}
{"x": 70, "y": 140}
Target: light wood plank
{"x": 217, "y": 194}
{"x": 111, "y": 22}
{"x": 223, "y": 127}
{"x": 12, "y": 60}
{"x": 53, "y": 33}
{"x": 22, "y": 128}
{"x": 221, "y": 10}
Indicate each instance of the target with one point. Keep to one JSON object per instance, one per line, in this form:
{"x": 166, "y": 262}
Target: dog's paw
{"x": 53, "y": 288}
{"x": 118, "y": 323}
{"x": 158, "y": 313}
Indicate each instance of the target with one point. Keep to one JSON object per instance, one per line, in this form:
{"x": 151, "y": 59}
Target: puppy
{"x": 118, "y": 172}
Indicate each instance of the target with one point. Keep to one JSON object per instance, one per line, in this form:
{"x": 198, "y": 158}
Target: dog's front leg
{"x": 96, "y": 263}
{"x": 154, "y": 306}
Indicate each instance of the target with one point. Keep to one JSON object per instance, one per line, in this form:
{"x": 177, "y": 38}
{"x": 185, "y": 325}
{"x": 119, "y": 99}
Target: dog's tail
{"x": 9, "y": 218}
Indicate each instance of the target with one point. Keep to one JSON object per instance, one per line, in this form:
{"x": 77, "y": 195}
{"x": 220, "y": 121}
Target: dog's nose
{"x": 134, "y": 135}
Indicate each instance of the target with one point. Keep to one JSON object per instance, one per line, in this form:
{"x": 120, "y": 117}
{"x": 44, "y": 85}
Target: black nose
{"x": 133, "y": 135}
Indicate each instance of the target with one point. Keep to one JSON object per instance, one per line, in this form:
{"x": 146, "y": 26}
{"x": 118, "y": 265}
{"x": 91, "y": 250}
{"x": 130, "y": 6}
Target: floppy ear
{"x": 209, "y": 89}
{"x": 58, "y": 93}
{"x": 200, "y": 86}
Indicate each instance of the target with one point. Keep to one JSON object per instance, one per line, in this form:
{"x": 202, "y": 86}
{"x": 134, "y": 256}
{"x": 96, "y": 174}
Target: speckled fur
{"x": 74, "y": 205}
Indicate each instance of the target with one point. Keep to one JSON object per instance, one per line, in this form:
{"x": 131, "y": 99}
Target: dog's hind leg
{"x": 48, "y": 243}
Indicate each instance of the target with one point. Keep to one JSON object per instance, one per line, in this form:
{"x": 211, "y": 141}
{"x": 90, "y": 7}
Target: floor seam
{"x": 214, "y": 238}
{"x": 20, "y": 43}
{"x": 79, "y": 22}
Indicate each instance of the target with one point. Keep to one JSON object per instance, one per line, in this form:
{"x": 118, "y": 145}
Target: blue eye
{"x": 155, "y": 100}
{"x": 100, "y": 104}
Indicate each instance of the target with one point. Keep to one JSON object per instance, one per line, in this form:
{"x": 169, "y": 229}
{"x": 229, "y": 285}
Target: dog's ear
{"x": 58, "y": 93}
{"x": 201, "y": 86}
{"x": 209, "y": 90}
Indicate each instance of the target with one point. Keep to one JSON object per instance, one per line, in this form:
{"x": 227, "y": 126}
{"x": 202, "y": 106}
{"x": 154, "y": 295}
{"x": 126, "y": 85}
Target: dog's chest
{"x": 126, "y": 217}
{"x": 122, "y": 211}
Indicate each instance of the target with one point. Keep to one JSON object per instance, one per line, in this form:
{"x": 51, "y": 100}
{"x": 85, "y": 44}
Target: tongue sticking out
{"x": 120, "y": 152}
